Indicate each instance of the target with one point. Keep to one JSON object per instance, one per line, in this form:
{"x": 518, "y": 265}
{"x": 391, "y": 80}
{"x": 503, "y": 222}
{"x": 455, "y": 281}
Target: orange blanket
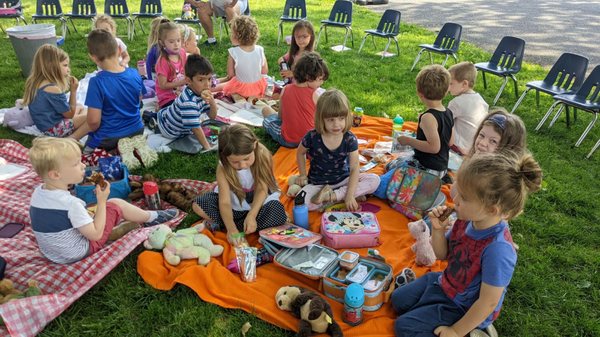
{"x": 215, "y": 284}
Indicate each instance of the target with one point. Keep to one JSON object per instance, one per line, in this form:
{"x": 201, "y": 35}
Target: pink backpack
{"x": 412, "y": 191}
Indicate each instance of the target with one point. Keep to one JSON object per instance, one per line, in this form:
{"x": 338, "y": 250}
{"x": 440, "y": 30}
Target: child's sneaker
{"x": 122, "y": 229}
{"x": 406, "y": 276}
{"x": 163, "y": 216}
{"x": 146, "y": 155}
{"x": 126, "y": 148}
{"x": 490, "y": 331}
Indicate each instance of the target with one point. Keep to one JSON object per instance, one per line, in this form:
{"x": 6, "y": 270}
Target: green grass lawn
{"x": 555, "y": 289}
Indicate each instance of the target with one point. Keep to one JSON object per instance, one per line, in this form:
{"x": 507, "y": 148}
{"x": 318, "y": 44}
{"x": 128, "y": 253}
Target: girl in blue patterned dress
{"x": 333, "y": 153}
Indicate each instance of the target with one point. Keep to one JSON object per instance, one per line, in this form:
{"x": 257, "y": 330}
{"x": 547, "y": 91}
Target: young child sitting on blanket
{"x": 434, "y": 131}
{"x": 333, "y": 150}
{"x": 63, "y": 228}
{"x": 468, "y": 294}
{"x": 298, "y": 102}
{"x": 45, "y": 89}
{"x": 246, "y": 63}
{"x": 246, "y": 198}
{"x": 182, "y": 118}
{"x": 303, "y": 40}
{"x": 113, "y": 96}
{"x": 105, "y": 22}
{"x": 468, "y": 107}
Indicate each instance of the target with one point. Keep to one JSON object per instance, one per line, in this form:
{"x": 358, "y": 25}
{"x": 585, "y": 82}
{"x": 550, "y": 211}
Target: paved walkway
{"x": 549, "y": 27}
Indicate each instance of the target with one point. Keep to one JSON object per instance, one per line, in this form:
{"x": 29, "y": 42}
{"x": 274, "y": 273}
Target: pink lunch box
{"x": 350, "y": 229}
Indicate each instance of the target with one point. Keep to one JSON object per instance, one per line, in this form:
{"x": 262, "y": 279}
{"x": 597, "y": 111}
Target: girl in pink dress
{"x": 170, "y": 65}
{"x": 247, "y": 63}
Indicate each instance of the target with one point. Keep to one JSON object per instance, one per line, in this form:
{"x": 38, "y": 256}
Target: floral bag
{"x": 413, "y": 191}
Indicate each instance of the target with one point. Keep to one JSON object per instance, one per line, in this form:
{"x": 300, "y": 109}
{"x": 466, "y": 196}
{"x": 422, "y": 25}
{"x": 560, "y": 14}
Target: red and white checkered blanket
{"x": 60, "y": 284}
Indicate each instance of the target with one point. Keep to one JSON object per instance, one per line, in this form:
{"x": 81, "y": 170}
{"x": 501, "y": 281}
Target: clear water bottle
{"x": 397, "y": 132}
{"x": 282, "y": 67}
{"x": 270, "y": 87}
{"x": 151, "y": 195}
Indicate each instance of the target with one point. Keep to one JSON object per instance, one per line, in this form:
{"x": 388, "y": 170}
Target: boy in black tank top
{"x": 434, "y": 131}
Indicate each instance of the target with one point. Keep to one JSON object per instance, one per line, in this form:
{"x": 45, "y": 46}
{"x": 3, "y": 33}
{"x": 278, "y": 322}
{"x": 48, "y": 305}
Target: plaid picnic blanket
{"x": 61, "y": 284}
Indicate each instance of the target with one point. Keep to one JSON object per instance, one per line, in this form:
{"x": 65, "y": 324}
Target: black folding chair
{"x": 505, "y": 62}
{"x": 82, "y": 9}
{"x": 50, "y": 10}
{"x": 148, "y": 9}
{"x": 586, "y": 98}
{"x": 388, "y": 27}
{"x": 446, "y": 43}
{"x": 293, "y": 11}
{"x": 13, "y": 10}
{"x": 565, "y": 77}
{"x": 118, "y": 9}
{"x": 340, "y": 16}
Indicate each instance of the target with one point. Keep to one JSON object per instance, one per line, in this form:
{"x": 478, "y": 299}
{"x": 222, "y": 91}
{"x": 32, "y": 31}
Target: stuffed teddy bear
{"x": 187, "y": 12}
{"x": 425, "y": 256}
{"x": 17, "y": 117}
{"x": 314, "y": 312}
{"x": 186, "y": 243}
{"x": 9, "y": 293}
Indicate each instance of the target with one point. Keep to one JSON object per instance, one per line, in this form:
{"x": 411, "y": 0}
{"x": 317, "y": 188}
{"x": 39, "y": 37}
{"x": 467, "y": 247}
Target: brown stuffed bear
{"x": 314, "y": 312}
{"x": 174, "y": 193}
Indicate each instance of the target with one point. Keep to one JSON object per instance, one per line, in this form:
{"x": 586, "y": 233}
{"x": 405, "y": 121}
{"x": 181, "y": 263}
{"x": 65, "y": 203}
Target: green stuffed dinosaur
{"x": 186, "y": 243}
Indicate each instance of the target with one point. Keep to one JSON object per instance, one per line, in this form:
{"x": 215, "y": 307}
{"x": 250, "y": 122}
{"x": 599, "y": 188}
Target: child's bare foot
{"x": 325, "y": 195}
{"x": 122, "y": 229}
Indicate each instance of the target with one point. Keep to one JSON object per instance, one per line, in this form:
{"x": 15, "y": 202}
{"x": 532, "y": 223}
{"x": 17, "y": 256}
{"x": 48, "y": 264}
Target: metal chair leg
{"x": 500, "y": 91}
{"x": 516, "y": 86}
{"x": 345, "y": 39}
{"x": 520, "y": 100}
{"x": 589, "y": 127}
{"x": 430, "y": 57}
{"x": 557, "y": 114}
{"x": 455, "y": 58}
{"x": 417, "y": 58}
{"x": 319, "y": 36}
{"x": 397, "y": 46}
{"x": 387, "y": 45}
{"x": 373, "y": 40}
{"x": 351, "y": 36}
{"x": 362, "y": 43}
{"x": 280, "y": 33}
{"x": 537, "y": 98}
{"x": 326, "y": 35}
{"x": 593, "y": 149}
{"x": 445, "y": 60}
{"x": 140, "y": 24}
{"x": 484, "y": 82}
{"x": 539, "y": 126}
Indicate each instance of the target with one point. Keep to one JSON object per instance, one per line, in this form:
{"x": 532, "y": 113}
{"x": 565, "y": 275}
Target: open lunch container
{"x": 320, "y": 262}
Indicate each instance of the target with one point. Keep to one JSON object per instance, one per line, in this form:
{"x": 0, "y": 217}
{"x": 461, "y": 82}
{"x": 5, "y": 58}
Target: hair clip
{"x": 499, "y": 120}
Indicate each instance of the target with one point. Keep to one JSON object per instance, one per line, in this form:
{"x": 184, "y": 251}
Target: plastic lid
{"x": 355, "y": 295}
{"x": 398, "y": 120}
{"x": 150, "y": 187}
{"x": 358, "y": 109}
{"x": 299, "y": 199}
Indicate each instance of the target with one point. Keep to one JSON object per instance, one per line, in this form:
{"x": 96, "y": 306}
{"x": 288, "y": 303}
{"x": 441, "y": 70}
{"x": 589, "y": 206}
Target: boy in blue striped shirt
{"x": 184, "y": 116}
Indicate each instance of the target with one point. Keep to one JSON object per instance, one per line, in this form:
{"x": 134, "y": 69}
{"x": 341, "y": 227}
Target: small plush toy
{"x": 18, "y": 117}
{"x": 187, "y": 12}
{"x": 9, "y": 293}
{"x": 314, "y": 312}
{"x": 425, "y": 256}
{"x": 186, "y": 243}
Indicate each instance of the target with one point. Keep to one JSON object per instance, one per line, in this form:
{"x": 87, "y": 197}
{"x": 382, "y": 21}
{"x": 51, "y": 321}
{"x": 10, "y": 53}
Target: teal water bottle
{"x": 354, "y": 299}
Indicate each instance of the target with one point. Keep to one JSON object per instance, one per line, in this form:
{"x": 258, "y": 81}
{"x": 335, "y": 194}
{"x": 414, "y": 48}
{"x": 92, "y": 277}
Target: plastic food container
{"x": 348, "y": 259}
{"x": 360, "y": 273}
